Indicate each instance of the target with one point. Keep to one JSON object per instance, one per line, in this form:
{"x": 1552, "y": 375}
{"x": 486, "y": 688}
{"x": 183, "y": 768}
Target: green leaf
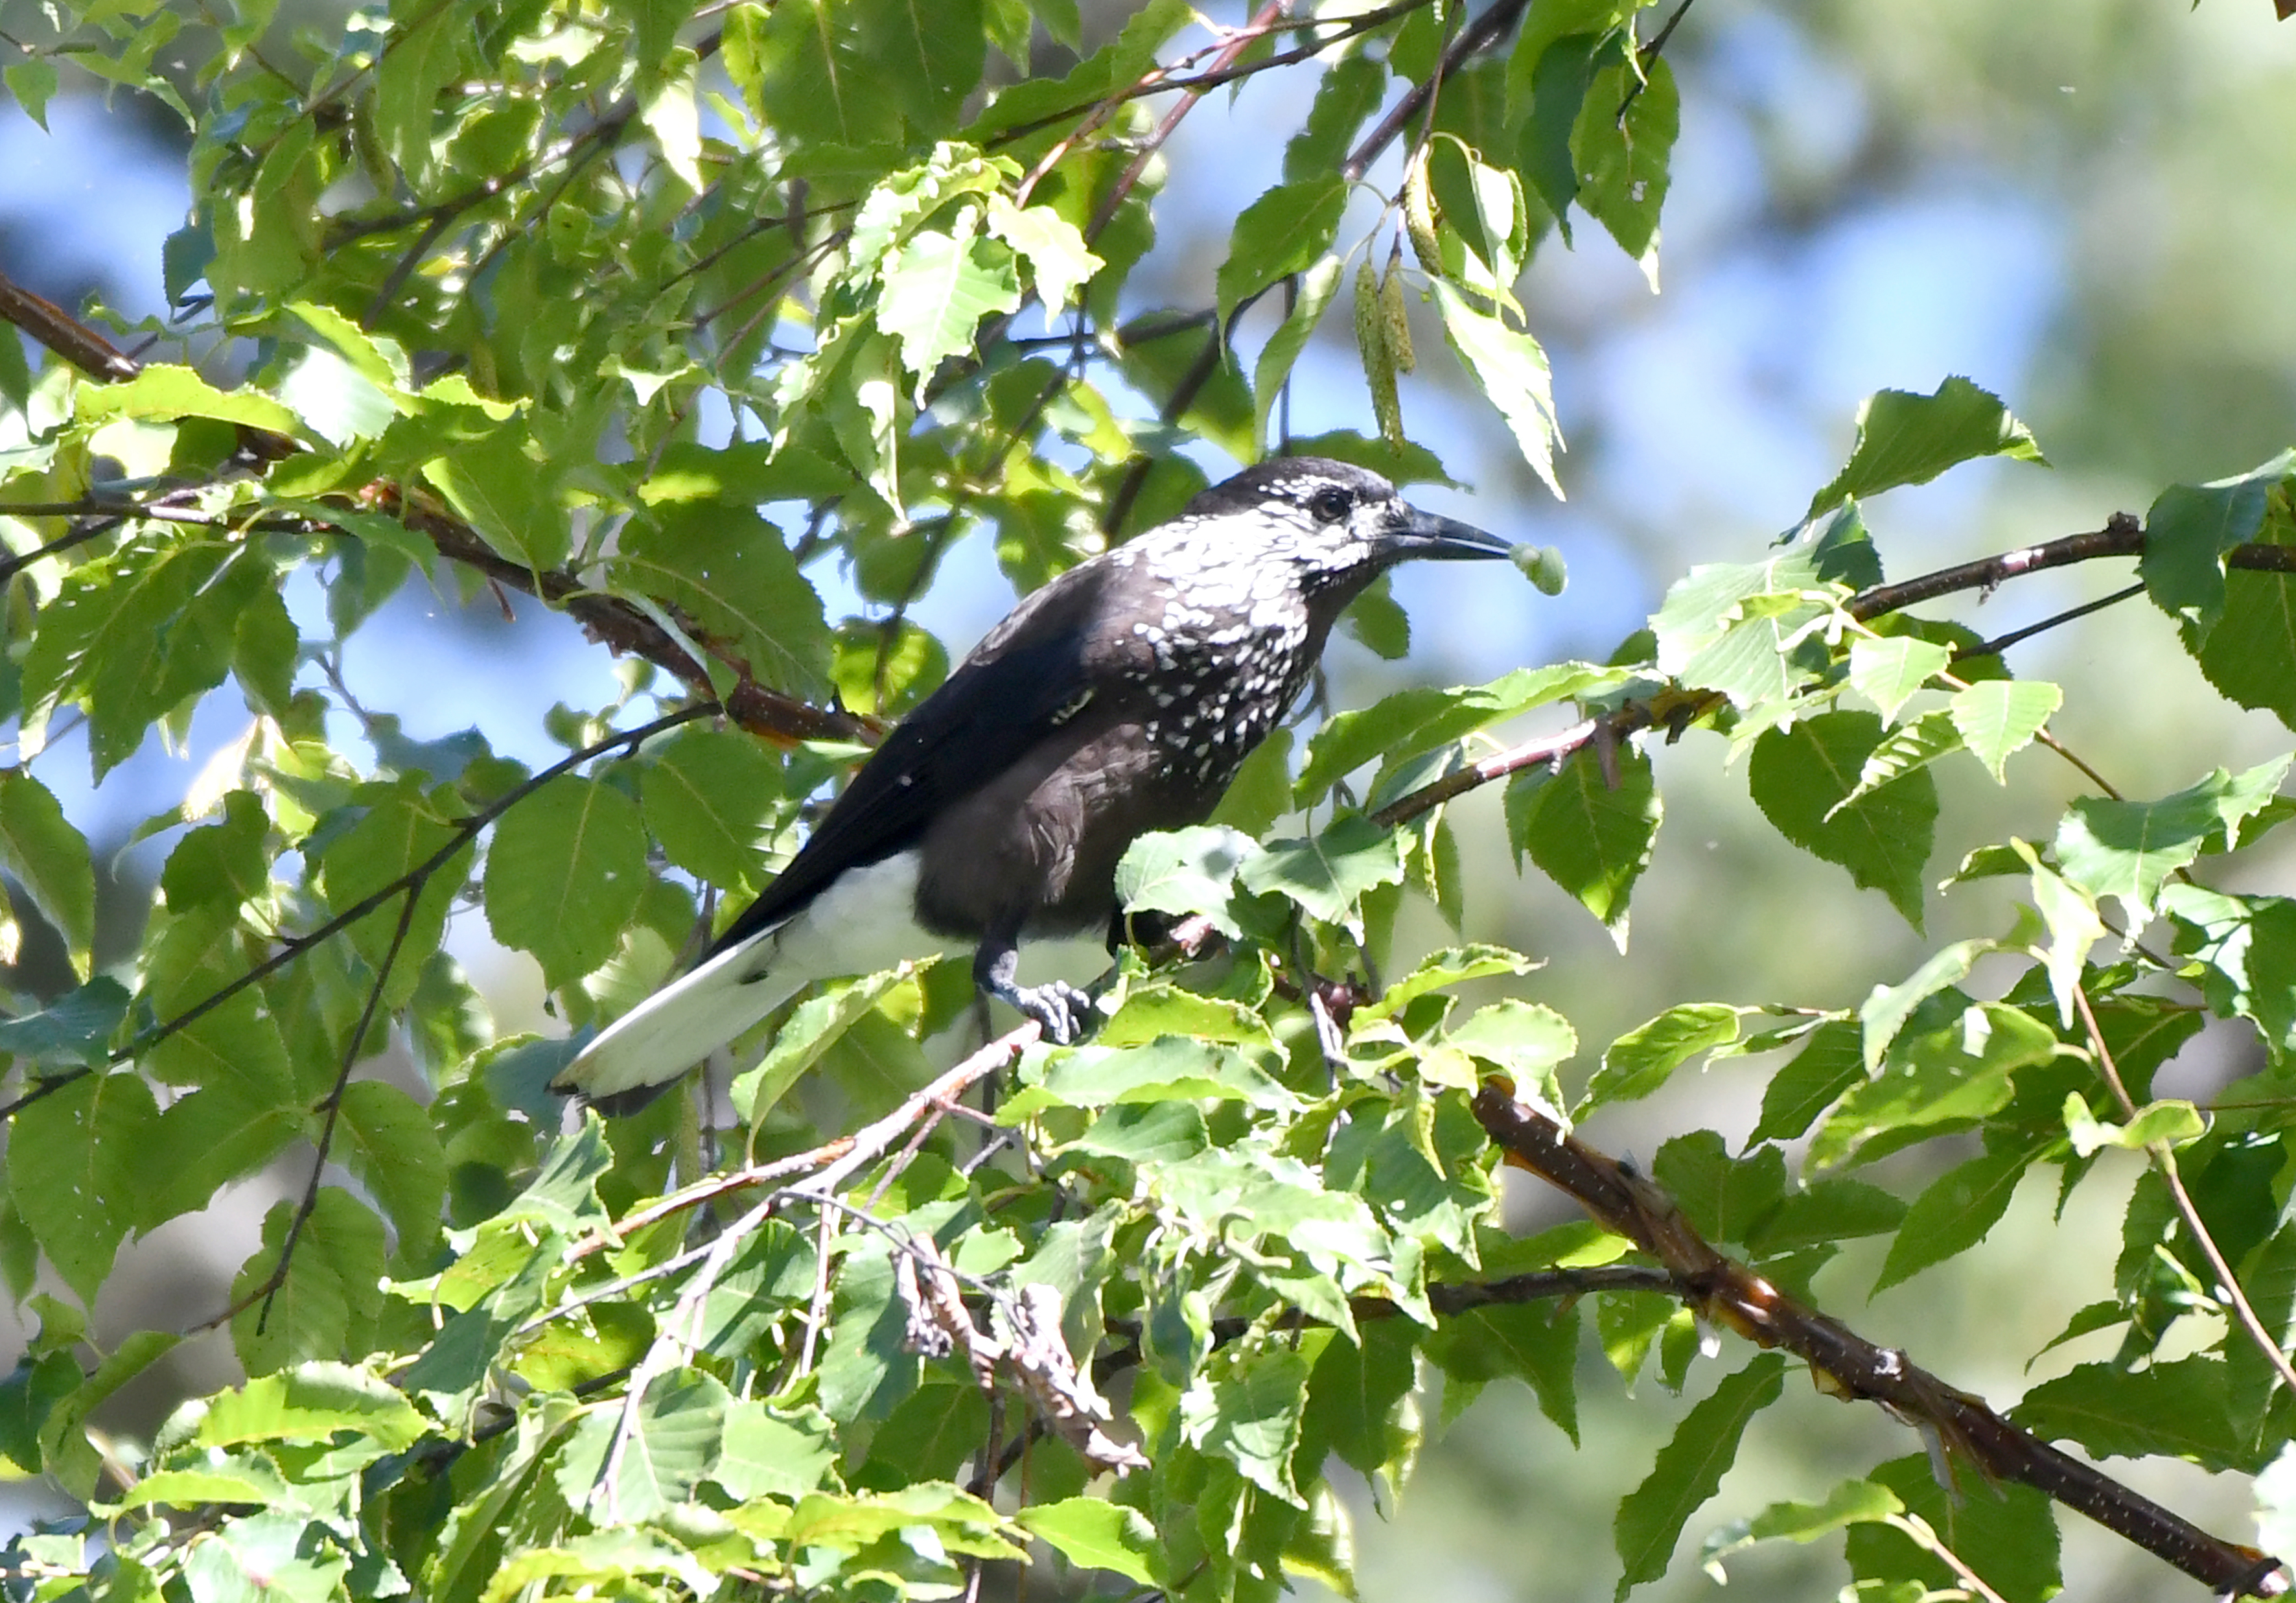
{"x": 1177, "y": 1066}
{"x": 1059, "y": 263}
{"x": 73, "y": 1030}
{"x": 1722, "y": 1195}
{"x": 1249, "y": 1416}
{"x": 2008, "y": 1535}
{"x": 1958, "y": 1069}
{"x": 1908, "y": 438}
{"x": 1955, "y": 1213}
{"x": 1452, "y": 966}
{"x": 1524, "y": 1040}
{"x": 1592, "y": 839}
{"x": 2127, "y": 849}
{"x": 74, "y": 1161}
{"x": 1622, "y": 162}
{"x": 386, "y": 1140}
{"x": 728, "y": 570}
{"x": 1887, "y": 1007}
{"x": 1096, "y": 1536}
{"x": 1182, "y": 872}
{"x": 1327, "y": 875}
{"x": 245, "y": 1111}
{"x": 1511, "y": 372}
{"x": 1906, "y": 748}
{"x": 1996, "y": 717}
{"x": 32, "y": 83}
{"x": 325, "y": 1306}
{"x": 1888, "y": 669}
{"x": 706, "y": 797}
{"x": 1850, "y": 1503}
{"x": 1830, "y": 1064}
{"x": 1536, "y": 1344}
{"x": 1645, "y": 1057}
{"x": 49, "y": 857}
{"x": 2188, "y": 532}
{"x": 936, "y": 291}
{"x": 1798, "y": 775}
{"x": 1829, "y": 1211}
{"x": 565, "y": 875}
{"x": 508, "y": 495}
{"x": 2250, "y": 654}
{"x": 1317, "y": 285}
{"x": 1689, "y": 1468}
{"x": 1419, "y": 720}
{"x": 309, "y": 1403}
{"x": 164, "y": 393}
{"x": 815, "y": 1026}
{"x": 670, "y": 1448}
{"x": 865, "y": 72}
{"x": 768, "y": 1454}
{"x": 2173, "y": 1410}
{"x": 403, "y": 828}
{"x": 425, "y": 56}
{"x": 1278, "y": 234}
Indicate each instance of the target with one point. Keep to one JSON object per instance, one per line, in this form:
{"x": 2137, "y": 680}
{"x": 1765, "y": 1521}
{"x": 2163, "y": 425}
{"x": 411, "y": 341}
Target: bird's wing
{"x": 1026, "y": 681}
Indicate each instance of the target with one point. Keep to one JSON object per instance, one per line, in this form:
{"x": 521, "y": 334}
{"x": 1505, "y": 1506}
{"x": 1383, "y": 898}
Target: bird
{"x": 1119, "y": 698}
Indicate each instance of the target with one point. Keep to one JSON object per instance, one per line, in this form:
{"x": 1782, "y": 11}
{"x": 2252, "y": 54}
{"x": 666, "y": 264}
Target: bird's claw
{"x": 1064, "y": 1010}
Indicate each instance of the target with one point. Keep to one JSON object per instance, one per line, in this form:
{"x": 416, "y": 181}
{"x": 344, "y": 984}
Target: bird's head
{"x": 1332, "y": 526}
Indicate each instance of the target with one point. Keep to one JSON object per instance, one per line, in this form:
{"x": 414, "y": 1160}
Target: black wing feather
{"x": 999, "y": 704}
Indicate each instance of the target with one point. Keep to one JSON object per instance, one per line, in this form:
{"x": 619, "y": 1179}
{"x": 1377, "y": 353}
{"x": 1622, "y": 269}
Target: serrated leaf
{"x": 1689, "y": 1469}
{"x": 1591, "y": 839}
{"x": 1888, "y": 669}
{"x": 49, "y": 857}
{"x": 1827, "y": 1065}
{"x": 1722, "y": 1195}
{"x": 1511, "y": 370}
{"x": 1883, "y": 838}
{"x": 386, "y": 1140}
{"x": 508, "y": 495}
{"x": 1622, "y": 162}
{"x": 1996, "y": 717}
{"x": 936, "y": 291}
{"x": 1093, "y": 1534}
{"x": 325, "y": 1306}
{"x": 2250, "y": 654}
{"x": 1317, "y": 285}
{"x": 163, "y": 392}
{"x": 1906, "y": 748}
{"x": 1059, "y": 262}
{"x": 2188, "y": 532}
{"x": 706, "y": 797}
{"x": 74, "y": 1030}
{"x": 1643, "y": 1059}
{"x": 1250, "y": 1417}
{"x": 2127, "y": 849}
{"x": 730, "y": 572}
{"x": 1958, "y": 1069}
{"x": 1955, "y": 1213}
{"x": 565, "y": 875}
{"x": 1328, "y": 874}
{"x": 2175, "y": 1408}
{"x": 1280, "y": 233}
{"x": 1184, "y": 872}
{"x": 73, "y": 1172}
{"x": 1908, "y": 438}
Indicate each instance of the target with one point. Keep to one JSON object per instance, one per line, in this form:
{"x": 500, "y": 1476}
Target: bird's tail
{"x": 641, "y": 1054}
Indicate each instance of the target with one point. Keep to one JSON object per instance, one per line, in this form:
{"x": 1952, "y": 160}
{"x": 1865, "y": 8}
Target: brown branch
{"x": 1727, "y": 1293}
{"x": 1479, "y": 35}
{"x": 1676, "y": 708}
{"x": 63, "y": 333}
{"x": 617, "y": 624}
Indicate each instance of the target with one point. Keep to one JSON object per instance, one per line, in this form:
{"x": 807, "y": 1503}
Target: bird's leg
{"x": 1063, "y": 1010}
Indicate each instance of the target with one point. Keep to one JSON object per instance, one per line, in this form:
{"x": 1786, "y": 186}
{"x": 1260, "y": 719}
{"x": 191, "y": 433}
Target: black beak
{"x": 1425, "y": 534}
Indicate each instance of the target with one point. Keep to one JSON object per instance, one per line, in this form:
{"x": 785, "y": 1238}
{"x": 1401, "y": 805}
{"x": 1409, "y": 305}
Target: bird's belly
{"x": 864, "y": 920}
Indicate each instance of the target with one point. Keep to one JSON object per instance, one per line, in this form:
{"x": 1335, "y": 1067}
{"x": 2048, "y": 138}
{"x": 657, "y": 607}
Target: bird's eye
{"x": 1330, "y": 505}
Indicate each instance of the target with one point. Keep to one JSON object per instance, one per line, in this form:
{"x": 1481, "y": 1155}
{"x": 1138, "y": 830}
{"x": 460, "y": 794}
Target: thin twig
{"x": 1479, "y": 35}
{"x": 334, "y": 1102}
{"x": 2164, "y": 1159}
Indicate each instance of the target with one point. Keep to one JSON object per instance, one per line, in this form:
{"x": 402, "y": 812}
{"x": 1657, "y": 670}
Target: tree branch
{"x": 1729, "y": 1294}
{"x": 1479, "y": 35}
{"x": 1676, "y": 708}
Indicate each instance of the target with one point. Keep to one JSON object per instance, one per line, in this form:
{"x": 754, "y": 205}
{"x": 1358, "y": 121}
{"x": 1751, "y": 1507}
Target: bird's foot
{"x": 1064, "y": 1010}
